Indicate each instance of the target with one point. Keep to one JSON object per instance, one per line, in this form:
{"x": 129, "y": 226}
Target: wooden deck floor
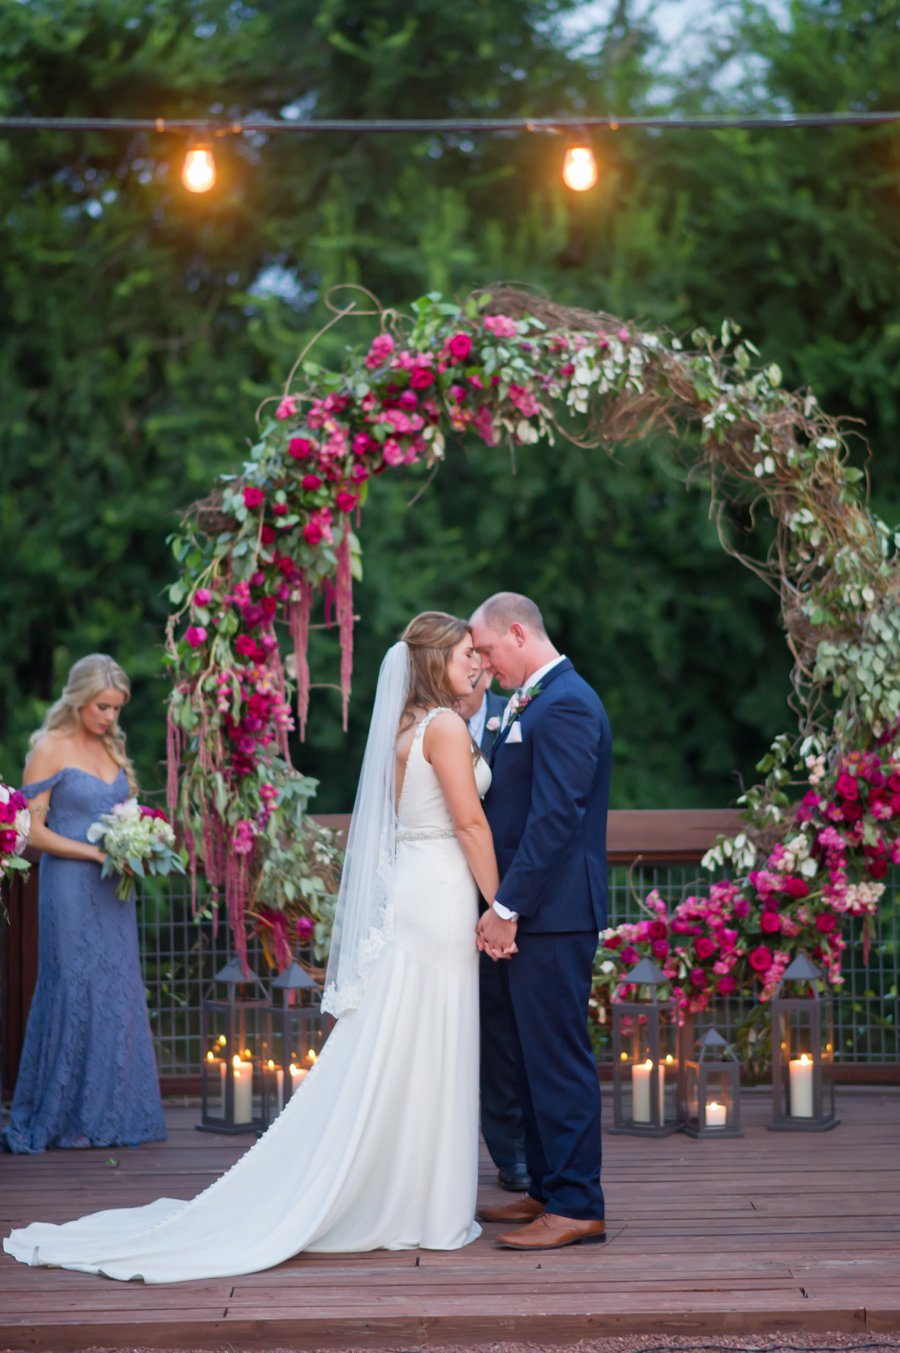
{"x": 774, "y": 1231}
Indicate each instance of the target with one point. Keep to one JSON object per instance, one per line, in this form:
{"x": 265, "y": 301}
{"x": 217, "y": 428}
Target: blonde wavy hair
{"x": 87, "y": 678}
{"x": 430, "y": 637}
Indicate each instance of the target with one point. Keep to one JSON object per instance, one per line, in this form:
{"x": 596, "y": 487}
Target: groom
{"x": 547, "y": 809}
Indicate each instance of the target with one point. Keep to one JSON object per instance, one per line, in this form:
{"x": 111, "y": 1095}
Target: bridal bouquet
{"x": 137, "y": 841}
{"x": 15, "y": 824}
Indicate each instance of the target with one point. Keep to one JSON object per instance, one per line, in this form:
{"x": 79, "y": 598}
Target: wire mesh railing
{"x": 181, "y": 954}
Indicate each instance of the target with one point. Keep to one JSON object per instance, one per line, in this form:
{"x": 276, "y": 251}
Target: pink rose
{"x": 660, "y": 949}
{"x": 796, "y": 887}
{"x": 196, "y": 636}
{"x": 629, "y": 954}
{"x": 501, "y": 326}
{"x": 246, "y": 646}
{"x": 698, "y": 977}
{"x": 846, "y": 786}
{"x": 280, "y": 509}
{"x": 253, "y": 497}
{"x": 287, "y": 408}
{"x": 705, "y": 947}
{"x": 311, "y": 482}
{"x": 304, "y": 928}
{"x": 825, "y": 923}
{"x": 380, "y": 351}
{"x": 345, "y": 502}
{"x": 421, "y": 378}
{"x": 769, "y": 923}
{"x": 459, "y": 347}
{"x": 493, "y": 723}
{"x": 300, "y": 448}
{"x": 393, "y": 452}
{"x": 313, "y": 532}
{"x": 202, "y": 596}
{"x": 726, "y": 985}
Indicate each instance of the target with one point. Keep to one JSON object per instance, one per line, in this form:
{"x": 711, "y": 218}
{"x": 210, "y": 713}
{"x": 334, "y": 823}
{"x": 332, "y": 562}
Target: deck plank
{"x": 769, "y": 1232}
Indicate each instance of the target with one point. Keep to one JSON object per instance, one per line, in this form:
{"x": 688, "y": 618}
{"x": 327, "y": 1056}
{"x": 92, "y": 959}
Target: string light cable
{"x": 579, "y": 172}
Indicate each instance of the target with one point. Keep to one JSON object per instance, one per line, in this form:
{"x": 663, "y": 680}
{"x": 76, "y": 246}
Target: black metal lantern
{"x": 802, "y": 1052}
{"x": 234, "y": 1032}
{"x": 711, "y": 1086}
{"x": 645, "y": 1058}
{"x": 297, "y": 1034}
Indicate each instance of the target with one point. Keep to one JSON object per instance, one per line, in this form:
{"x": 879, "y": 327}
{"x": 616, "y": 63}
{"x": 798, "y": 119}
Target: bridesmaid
{"x": 87, "y": 1075}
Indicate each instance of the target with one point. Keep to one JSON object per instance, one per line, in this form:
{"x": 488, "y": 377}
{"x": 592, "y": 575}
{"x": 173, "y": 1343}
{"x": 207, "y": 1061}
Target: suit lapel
{"x": 545, "y": 681}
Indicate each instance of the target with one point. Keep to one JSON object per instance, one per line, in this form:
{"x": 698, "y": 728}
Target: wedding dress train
{"x": 378, "y": 1148}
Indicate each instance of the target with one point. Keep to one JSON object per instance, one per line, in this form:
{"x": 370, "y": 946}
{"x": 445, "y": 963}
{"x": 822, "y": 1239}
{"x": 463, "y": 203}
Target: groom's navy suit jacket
{"x": 547, "y": 807}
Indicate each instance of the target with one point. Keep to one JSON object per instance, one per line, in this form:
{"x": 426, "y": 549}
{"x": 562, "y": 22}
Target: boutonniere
{"x": 520, "y": 702}
{"x": 493, "y": 723}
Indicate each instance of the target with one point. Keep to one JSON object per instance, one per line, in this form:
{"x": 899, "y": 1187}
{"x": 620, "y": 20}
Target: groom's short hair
{"x": 506, "y": 608}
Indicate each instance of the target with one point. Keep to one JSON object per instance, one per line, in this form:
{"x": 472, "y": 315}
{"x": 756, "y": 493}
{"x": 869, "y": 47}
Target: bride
{"x": 379, "y": 1146}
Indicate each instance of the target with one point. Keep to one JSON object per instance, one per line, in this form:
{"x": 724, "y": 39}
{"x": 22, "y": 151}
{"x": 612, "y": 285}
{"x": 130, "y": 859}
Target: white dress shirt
{"x": 478, "y": 720}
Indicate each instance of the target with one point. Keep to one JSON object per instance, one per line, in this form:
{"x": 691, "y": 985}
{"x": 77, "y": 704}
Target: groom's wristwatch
{"x": 504, "y": 912}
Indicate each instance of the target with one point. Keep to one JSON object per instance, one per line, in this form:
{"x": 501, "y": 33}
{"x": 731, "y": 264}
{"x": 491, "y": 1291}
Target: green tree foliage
{"x": 142, "y": 326}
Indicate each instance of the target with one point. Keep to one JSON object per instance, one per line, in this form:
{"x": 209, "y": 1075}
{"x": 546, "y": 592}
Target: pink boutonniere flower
{"x": 521, "y": 701}
{"x": 493, "y": 723}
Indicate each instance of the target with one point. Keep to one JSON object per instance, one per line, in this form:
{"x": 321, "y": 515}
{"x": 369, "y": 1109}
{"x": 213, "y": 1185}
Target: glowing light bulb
{"x": 199, "y": 171}
{"x": 580, "y": 169}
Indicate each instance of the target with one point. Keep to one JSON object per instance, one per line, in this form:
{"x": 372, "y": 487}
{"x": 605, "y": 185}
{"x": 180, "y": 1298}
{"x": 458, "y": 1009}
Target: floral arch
{"x": 270, "y": 544}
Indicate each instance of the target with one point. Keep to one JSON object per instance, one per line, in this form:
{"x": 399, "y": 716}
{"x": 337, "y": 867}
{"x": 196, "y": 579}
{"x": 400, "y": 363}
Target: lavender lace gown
{"x": 88, "y": 1074}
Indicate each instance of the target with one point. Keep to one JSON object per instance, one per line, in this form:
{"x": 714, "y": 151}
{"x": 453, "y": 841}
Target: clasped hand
{"x": 496, "y": 937}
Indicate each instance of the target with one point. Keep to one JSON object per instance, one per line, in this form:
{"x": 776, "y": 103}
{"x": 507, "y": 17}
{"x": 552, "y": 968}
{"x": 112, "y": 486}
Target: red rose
{"x": 459, "y": 347}
{"x": 846, "y": 786}
{"x": 311, "y": 482}
{"x": 698, "y": 977}
{"x": 852, "y": 810}
{"x": 726, "y": 985}
{"x": 246, "y": 646}
{"x": 769, "y": 923}
{"x": 313, "y": 532}
{"x": 8, "y": 840}
{"x": 280, "y": 509}
{"x": 796, "y": 887}
{"x": 253, "y": 497}
{"x": 285, "y": 566}
{"x": 705, "y": 947}
{"x": 660, "y": 949}
{"x": 614, "y": 942}
{"x": 345, "y": 502}
{"x": 760, "y": 959}
{"x": 421, "y": 378}
{"x": 269, "y": 606}
{"x": 267, "y": 535}
{"x": 825, "y": 922}
{"x": 658, "y": 930}
{"x": 300, "y": 448}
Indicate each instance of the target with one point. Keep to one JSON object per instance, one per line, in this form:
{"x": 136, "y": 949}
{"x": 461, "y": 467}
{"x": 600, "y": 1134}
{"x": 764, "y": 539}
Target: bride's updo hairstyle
{"x": 87, "y": 678}
{"x": 430, "y": 637}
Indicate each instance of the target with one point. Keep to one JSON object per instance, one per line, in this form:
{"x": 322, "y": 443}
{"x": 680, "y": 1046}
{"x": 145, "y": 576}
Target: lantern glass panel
{"x": 803, "y": 1062}
{"x": 645, "y": 1067}
{"x": 235, "y": 1036}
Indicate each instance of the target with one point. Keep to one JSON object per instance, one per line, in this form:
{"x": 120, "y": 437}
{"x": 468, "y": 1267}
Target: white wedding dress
{"x": 378, "y": 1148}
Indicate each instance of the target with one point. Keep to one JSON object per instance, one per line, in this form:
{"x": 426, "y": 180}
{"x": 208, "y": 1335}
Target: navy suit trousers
{"x": 549, "y": 983}
{"x": 502, "y": 1121}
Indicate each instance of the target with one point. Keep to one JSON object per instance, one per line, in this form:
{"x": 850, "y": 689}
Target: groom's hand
{"x": 496, "y": 937}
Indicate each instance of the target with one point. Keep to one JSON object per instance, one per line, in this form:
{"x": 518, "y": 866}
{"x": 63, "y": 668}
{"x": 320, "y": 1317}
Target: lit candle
{"x": 801, "y": 1086}
{"x": 212, "y": 1106}
{"x": 243, "y": 1090}
{"x": 276, "y": 1074}
{"x": 642, "y": 1075}
{"x": 715, "y": 1114}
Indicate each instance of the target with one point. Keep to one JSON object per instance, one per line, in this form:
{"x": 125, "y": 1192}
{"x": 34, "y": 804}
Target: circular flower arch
{"x": 506, "y": 366}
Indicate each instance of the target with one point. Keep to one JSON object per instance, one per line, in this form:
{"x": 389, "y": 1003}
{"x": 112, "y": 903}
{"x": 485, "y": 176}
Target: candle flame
{"x": 236, "y": 1061}
{"x": 270, "y": 1064}
{"x": 210, "y": 1056}
{"x": 311, "y": 1057}
{"x": 649, "y": 1064}
{"x": 669, "y": 1059}
{"x": 221, "y": 1040}
{"x": 713, "y": 1104}
{"x": 293, "y": 1069}
{"x": 804, "y": 1060}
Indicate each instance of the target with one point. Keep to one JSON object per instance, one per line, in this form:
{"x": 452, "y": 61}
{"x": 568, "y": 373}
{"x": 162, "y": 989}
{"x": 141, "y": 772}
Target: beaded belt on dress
{"x": 425, "y": 833}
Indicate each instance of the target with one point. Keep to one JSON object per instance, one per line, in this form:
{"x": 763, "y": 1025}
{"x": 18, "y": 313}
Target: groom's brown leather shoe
{"x": 551, "y": 1232}
{"x": 526, "y": 1209}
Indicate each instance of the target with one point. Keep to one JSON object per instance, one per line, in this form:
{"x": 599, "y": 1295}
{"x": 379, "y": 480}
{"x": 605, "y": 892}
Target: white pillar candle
{"x": 801, "y": 1086}
{"x": 643, "y": 1074}
{"x": 298, "y": 1076}
{"x": 276, "y": 1074}
{"x": 715, "y": 1114}
{"x": 243, "y": 1090}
